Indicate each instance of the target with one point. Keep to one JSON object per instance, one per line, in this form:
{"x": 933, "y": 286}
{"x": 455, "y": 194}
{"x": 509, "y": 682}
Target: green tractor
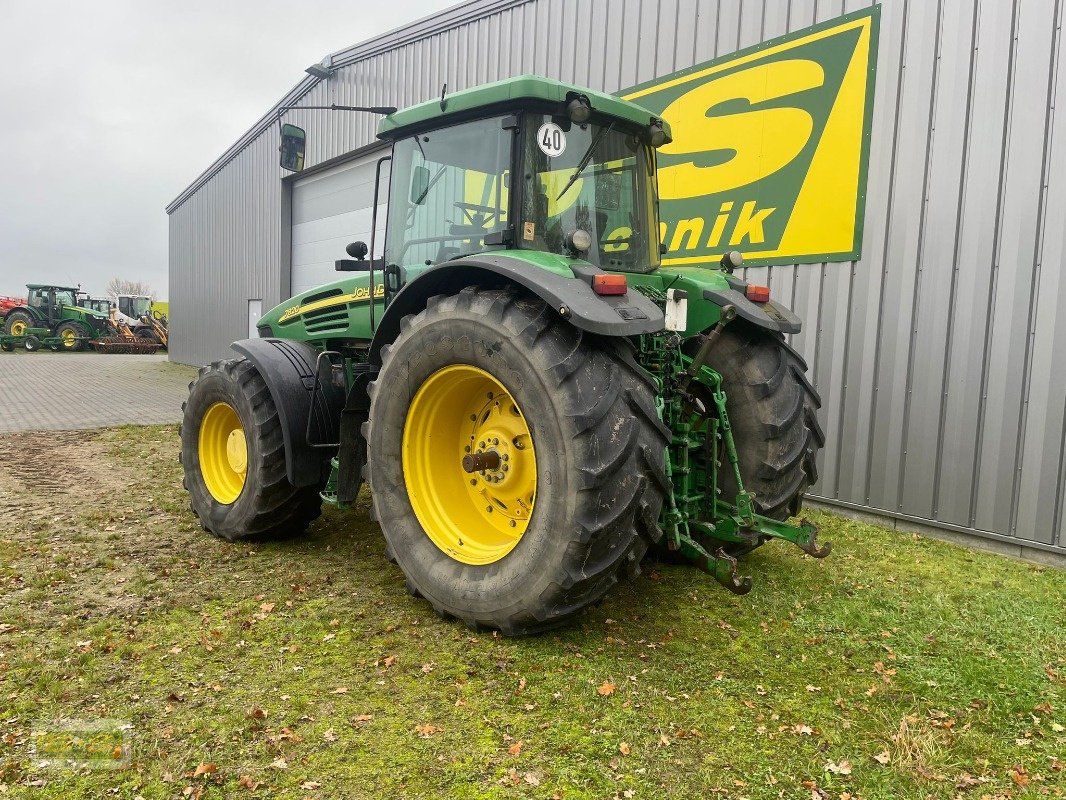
{"x": 534, "y": 401}
{"x": 55, "y": 313}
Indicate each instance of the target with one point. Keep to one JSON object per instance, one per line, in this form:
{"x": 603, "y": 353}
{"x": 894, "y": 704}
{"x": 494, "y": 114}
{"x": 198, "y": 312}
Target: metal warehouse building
{"x": 940, "y": 352}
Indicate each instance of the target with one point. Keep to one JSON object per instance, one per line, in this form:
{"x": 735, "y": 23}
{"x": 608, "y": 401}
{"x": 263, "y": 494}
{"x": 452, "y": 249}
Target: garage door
{"x": 329, "y": 210}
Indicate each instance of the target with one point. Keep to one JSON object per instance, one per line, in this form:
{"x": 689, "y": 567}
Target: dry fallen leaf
{"x": 515, "y": 748}
{"x": 308, "y": 786}
{"x": 842, "y": 767}
{"x": 249, "y": 784}
{"x": 341, "y": 690}
{"x": 205, "y": 769}
{"x": 364, "y": 717}
{"x": 883, "y": 757}
{"x": 390, "y": 660}
{"x": 329, "y": 735}
{"x": 279, "y": 763}
{"x": 531, "y": 779}
{"x": 425, "y": 731}
{"x": 623, "y": 748}
{"x": 803, "y": 730}
{"x": 606, "y": 689}
{"x": 257, "y": 713}
{"x": 266, "y": 608}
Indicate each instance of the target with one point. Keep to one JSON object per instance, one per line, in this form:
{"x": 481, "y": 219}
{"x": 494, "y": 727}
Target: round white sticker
{"x": 551, "y": 139}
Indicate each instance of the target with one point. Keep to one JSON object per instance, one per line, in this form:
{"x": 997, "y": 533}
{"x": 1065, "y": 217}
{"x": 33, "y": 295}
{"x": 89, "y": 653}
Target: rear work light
{"x": 609, "y": 284}
{"x": 758, "y": 294}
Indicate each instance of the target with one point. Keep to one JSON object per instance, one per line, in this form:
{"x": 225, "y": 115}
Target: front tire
{"x": 495, "y": 370}
{"x": 233, "y": 454}
{"x": 70, "y": 337}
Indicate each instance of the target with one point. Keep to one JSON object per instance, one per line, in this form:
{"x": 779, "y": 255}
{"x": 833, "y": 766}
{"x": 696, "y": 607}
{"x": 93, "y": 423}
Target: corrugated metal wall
{"x": 941, "y": 354}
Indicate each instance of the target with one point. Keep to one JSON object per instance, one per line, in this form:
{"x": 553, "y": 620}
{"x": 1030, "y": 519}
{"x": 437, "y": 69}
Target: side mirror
{"x": 293, "y": 140}
{"x": 357, "y": 250}
{"x": 419, "y": 185}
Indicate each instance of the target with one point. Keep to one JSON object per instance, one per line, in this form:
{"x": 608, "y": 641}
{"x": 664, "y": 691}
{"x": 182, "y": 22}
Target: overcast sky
{"x": 109, "y": 108}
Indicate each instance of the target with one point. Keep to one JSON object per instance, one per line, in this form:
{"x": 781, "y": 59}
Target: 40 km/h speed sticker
{"x": 551, "y": 139}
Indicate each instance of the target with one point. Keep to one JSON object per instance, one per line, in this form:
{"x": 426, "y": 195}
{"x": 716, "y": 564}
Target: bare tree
{"x": 117, "y": 286}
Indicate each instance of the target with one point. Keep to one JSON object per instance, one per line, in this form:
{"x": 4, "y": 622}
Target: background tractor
{"x": 534, "y": 400}
{"x": 53, "y": 312}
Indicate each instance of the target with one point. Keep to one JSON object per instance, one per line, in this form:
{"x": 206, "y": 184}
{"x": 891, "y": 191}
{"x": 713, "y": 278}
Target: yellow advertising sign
{"x": 770, "y": 147}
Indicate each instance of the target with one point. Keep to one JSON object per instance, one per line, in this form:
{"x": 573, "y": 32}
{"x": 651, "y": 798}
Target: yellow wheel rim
{"x": 18, "y": 328}
{"x": 69, "y": 338}
{"x": 223, "y": 452}
{"x": 475, "y": 517}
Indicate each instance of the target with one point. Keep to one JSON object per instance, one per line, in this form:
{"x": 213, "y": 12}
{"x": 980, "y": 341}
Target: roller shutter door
{"x": 329, "y": 210}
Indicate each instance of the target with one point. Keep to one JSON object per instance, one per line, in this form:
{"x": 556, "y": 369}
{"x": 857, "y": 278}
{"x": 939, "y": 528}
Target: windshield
{"x": 134, "y": 306}
{"x": 595, "y": 178}
{"x": 64, "y": 297}
{"x": 448, "y": 191}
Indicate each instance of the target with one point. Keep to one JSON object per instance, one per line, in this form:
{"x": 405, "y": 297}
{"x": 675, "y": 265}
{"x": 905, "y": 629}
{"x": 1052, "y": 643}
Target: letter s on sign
{"x": 762, "y": 140}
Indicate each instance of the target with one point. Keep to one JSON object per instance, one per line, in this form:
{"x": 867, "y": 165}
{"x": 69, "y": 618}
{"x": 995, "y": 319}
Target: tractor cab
{"x": 527, "y": 165}
{"x": 133, "y": 308}
{"x": 49, "y": 301}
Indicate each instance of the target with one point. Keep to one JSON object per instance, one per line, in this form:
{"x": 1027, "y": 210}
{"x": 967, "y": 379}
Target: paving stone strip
{"x": 76, "y": 391}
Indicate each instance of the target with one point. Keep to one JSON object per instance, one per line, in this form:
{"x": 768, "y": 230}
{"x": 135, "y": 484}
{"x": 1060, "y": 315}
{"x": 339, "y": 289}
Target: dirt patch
{"x": 97, "y": 521}
{"x": 52, "y": 465}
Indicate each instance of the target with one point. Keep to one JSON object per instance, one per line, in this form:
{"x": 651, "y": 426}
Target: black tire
{"x": 31, "y": 343}
{"x": 601, "y": 478}
{"x": 77, "y": 330}
{"x": 7, "y": 347}
{"x": 147, "y": 333}
{"x": 17, "y": 316}
{"x": 268, "y": 505}
{"x": 773, "y": 410}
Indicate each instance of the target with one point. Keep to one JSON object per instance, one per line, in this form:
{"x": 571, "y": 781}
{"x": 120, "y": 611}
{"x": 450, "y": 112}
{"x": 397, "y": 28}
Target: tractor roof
{"x": 51, "y": 286}
{"x": 507, "y": 93}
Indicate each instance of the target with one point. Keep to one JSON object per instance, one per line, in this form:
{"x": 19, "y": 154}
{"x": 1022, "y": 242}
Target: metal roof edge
{"x": 419, "y": 29}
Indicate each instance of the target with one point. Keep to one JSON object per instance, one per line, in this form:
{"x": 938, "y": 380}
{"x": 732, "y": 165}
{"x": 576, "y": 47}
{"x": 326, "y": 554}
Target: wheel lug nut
{"x": 514, "y": 524}
{"x": 506, "y": 457}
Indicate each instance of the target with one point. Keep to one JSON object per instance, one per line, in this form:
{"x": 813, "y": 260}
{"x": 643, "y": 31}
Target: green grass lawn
{"x": 899, "y": 667}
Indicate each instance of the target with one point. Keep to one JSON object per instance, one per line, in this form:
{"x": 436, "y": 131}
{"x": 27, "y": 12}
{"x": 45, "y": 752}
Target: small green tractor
{"x": 534, "y": 400}
{"x": 53, "y": 316}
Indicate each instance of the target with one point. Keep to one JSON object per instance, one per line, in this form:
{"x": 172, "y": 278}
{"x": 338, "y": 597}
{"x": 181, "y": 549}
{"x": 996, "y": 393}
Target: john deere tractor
{"x": 534, "y": 401}
{"x": 54, "y": 312}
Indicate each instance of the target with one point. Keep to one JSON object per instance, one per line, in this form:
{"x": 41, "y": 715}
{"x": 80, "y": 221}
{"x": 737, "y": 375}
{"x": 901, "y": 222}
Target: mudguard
{"x": 772, "y": 316}
{"x": 625, "y": 315}
{"x": 288, "y": 368}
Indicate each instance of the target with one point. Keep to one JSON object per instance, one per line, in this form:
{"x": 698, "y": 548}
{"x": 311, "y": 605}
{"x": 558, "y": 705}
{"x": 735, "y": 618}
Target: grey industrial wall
{"x": 940, "y": 355}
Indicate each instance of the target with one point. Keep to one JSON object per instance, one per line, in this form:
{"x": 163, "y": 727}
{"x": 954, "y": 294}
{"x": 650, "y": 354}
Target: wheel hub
{"x": 469, "y": 464}
{"x": 223, "y": 453}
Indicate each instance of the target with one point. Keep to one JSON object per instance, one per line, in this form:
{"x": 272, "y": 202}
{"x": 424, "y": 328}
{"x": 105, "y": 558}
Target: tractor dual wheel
{"x": 233, "y": 456}
{"x": 517, "y": 465}
{"x": 17, "y": 323}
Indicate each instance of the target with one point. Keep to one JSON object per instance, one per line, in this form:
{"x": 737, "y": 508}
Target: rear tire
{"x": 17, "y": 322}
{"x": 599, "y": 446}
{"x": 232, "y": 396}
{"x": 773, "y": 410}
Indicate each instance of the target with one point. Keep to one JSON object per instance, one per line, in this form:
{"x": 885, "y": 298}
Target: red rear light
{"x": 758, "y": 294}
{"x": 609, "y": 284}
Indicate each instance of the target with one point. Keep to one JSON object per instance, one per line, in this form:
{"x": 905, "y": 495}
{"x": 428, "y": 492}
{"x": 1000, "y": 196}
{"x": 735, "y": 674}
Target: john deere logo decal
{"x": 770, "y": 147}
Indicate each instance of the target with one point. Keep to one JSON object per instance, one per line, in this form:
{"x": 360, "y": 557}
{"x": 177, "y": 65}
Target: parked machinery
{"x": 533, "y": 398}
{"x": 52, "y": 313}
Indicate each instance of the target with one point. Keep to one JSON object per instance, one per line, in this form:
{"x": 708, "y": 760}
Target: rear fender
{"x": 288, "y": 368}
{"x": 626, "y": 315}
